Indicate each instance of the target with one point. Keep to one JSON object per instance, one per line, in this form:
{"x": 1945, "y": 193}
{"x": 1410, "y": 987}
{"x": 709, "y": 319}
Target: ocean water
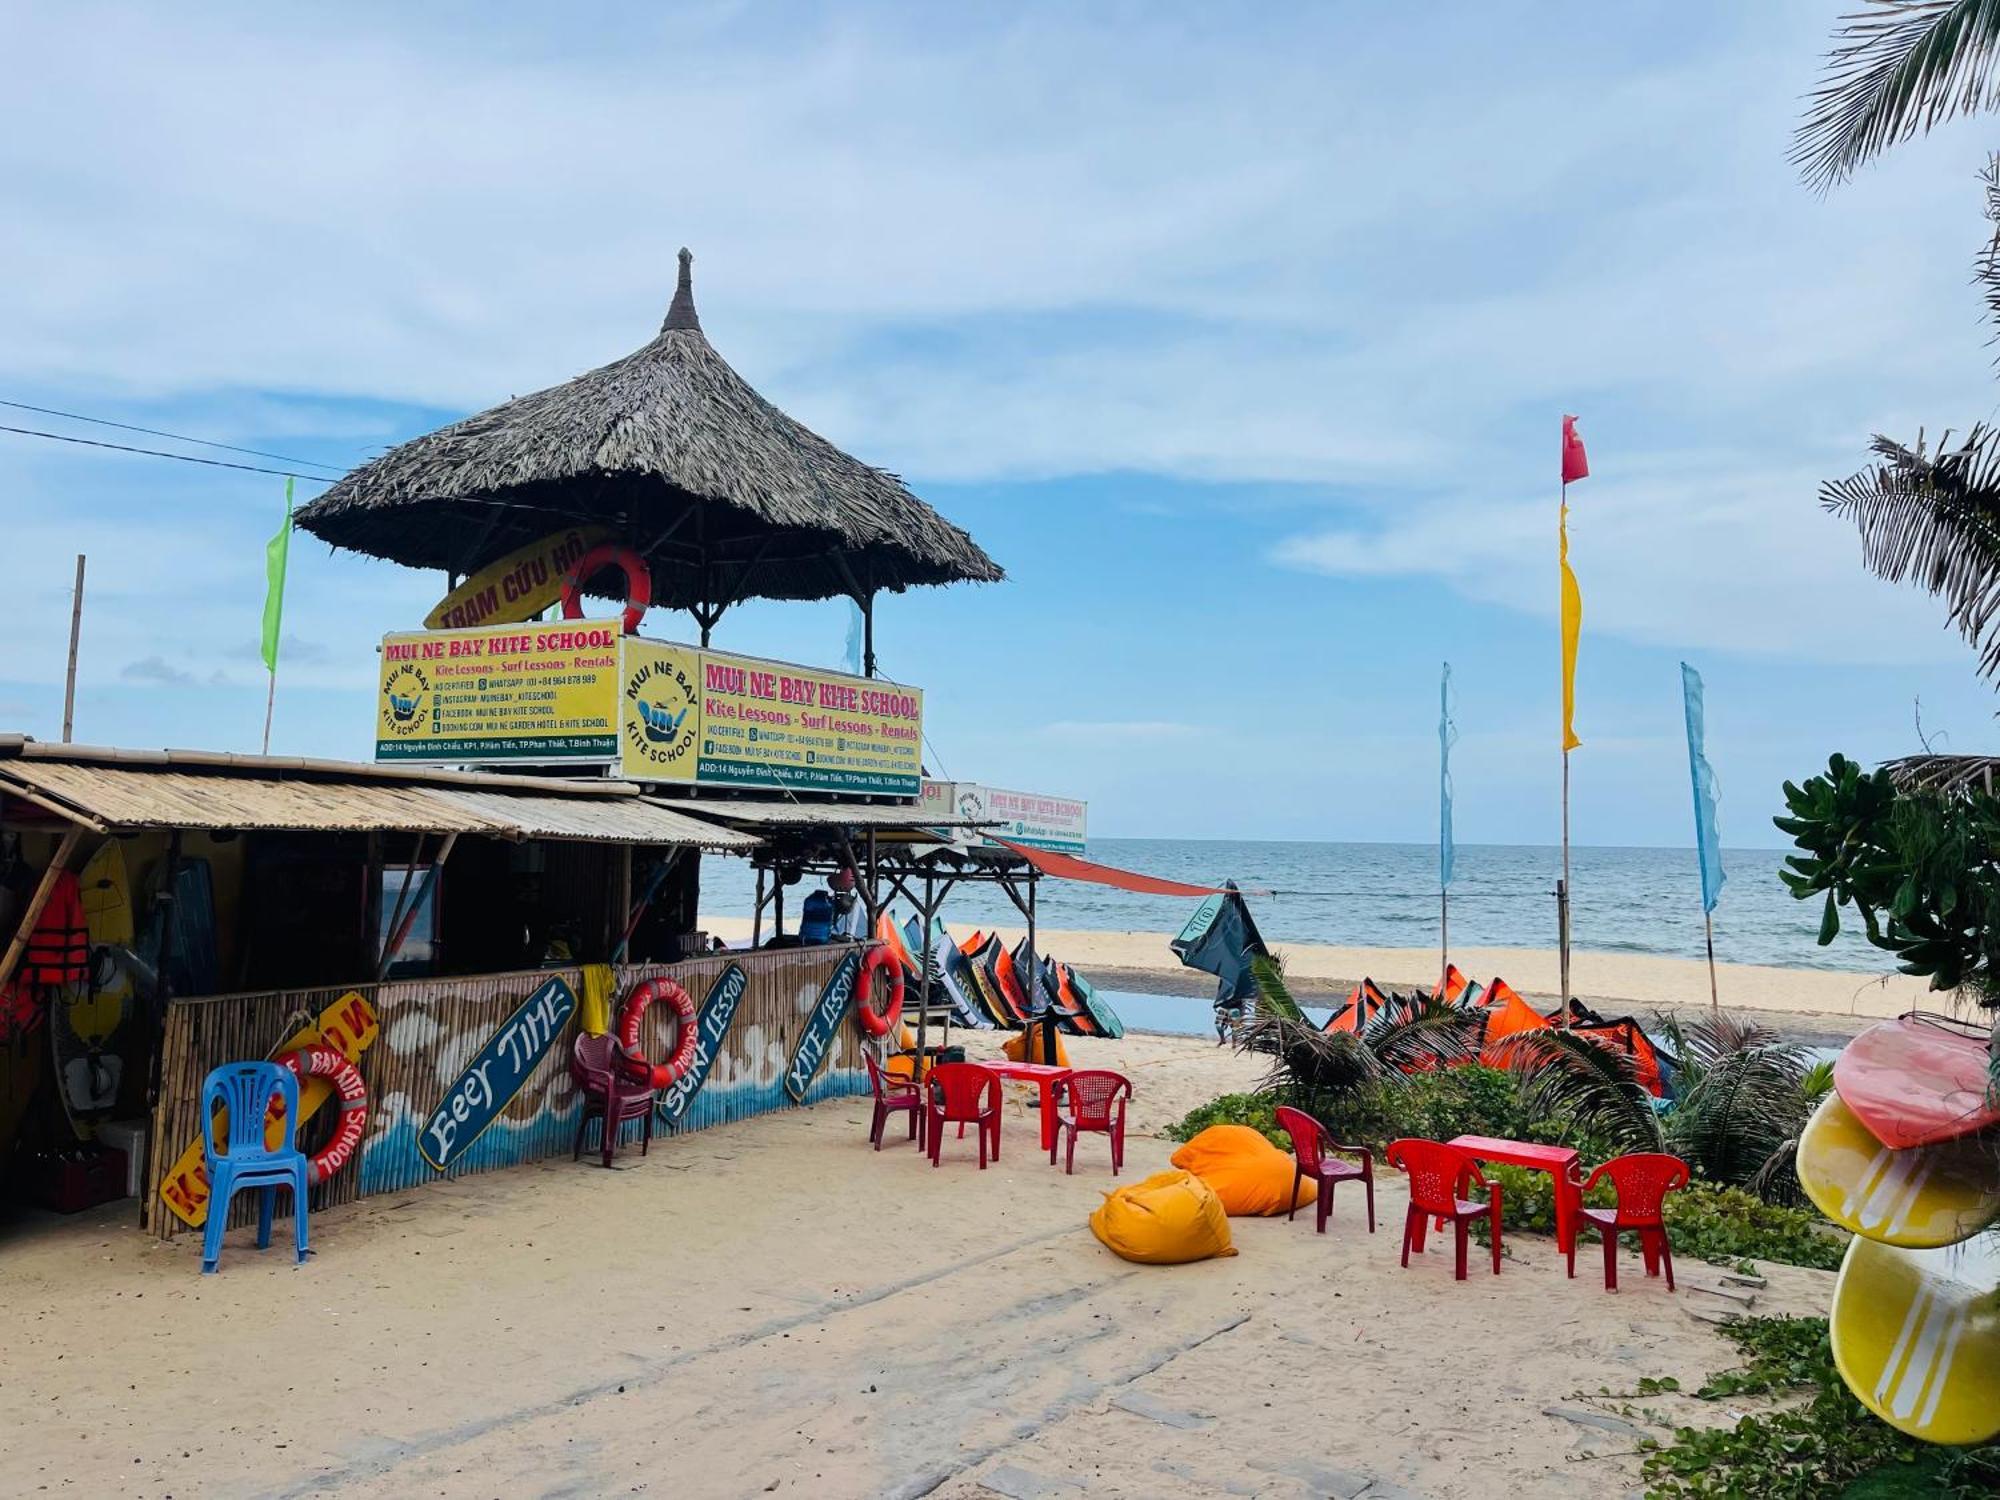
{"x": 1385, "y": 895}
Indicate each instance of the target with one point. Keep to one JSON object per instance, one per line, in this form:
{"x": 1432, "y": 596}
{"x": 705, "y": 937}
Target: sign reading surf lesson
{"x": 493, "y": 1077}
{"x": 717, "y": 1011}
{"x": 581, "y": 693}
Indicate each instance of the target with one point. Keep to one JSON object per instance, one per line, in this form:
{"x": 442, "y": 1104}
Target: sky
{"x": 1240, "y": 340}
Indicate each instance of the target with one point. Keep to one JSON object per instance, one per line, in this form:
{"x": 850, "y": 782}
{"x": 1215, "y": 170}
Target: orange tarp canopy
{"x": 1069, "y": 867}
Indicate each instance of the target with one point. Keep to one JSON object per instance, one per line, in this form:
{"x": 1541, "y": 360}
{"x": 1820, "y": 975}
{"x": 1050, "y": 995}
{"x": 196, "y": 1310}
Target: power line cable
{"x": 186, "y": 458}
{"x": 179, "y": 437}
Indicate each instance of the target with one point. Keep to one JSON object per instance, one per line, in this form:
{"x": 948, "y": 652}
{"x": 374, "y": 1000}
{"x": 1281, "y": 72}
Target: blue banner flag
{"x": 1707, "y": 835}
{"x": 1447, "y": 737}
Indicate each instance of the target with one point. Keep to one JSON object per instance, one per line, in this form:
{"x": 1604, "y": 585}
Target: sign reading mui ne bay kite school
{"x": 578, "y": 692}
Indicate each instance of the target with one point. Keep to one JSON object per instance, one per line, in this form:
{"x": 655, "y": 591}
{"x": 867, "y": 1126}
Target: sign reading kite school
{"x": 580, "y": 693}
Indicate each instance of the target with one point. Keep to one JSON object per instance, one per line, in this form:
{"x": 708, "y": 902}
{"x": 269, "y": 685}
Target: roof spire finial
{"x": 682, "y": 314}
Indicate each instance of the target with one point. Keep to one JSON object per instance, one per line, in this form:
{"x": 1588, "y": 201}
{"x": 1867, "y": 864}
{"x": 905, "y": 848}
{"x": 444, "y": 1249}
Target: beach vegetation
{"x": 1920, "y": 868}
{"x": 1812, "y": 1439}
{"x": 1895, "y": 71}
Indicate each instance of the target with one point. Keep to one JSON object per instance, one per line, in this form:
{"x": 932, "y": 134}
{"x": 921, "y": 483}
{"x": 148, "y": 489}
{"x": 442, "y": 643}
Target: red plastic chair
{"x": 1643, "y": 1181}
{"x": 608, "y": 1095}
{"x": 892, "y": 1096}
{"x": 1316, "y": 1151}
{"x": 962, "y": 1094}
{"x": 1090, "y": 1099}
{"x": 1436, "y": 1173}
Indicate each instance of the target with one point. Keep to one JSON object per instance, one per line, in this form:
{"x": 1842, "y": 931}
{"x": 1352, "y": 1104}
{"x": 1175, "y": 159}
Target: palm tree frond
{"x": 1896, "y": 69}
{"x": 1421, "y": 1033}
{"x": 1933, "y": 519}
{"x": 1583, "y": 1083}
{"x": 1274, "y": 996}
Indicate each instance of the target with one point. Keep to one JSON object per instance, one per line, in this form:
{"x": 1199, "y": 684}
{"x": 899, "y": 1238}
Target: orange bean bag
{"x": 1249, "y": 1174}
{"x": 1167, "y": 1220}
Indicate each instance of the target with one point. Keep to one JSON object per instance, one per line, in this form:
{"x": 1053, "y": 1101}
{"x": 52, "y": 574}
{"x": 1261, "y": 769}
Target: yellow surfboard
{"x": 1920, "y": 1198}
{"x": 1916, "y": 1336}
{"x": 349, "y": 1027}
{"x": 518, "y": 586}
{"x": 105, "y": 889}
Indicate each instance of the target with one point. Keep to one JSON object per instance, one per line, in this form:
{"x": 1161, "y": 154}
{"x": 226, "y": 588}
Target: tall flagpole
{"x": 1707, "y": 834}
{"x": 1563, "y": 886}
{"x": 277, "y": 553}
{"x": 1574, "y": 466}
{"x": 1447, "y": 846}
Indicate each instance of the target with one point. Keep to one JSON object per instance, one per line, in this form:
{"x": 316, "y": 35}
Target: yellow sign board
{"x": 764, "y": 723}
{"x": 581, "y": 693}
{"x": 544, "y": 693}
{"x": 518, "y": 586}
{"x": 349, "y": 1027}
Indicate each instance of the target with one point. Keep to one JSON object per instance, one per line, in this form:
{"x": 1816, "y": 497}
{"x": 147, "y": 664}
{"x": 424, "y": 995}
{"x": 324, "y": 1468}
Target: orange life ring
{"x": 666, "y": 1074}
{"x": 321, "y": 1061}
{"x": 873, "y": 1022}
{"x": 638, "y": 582}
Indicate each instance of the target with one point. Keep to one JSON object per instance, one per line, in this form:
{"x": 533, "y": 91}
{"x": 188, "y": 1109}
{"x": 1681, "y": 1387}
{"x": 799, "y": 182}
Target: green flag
{"x": 275, "y": 552}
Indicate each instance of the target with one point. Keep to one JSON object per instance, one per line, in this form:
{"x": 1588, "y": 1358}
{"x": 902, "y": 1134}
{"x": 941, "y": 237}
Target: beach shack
{"x": 524, "y": 850}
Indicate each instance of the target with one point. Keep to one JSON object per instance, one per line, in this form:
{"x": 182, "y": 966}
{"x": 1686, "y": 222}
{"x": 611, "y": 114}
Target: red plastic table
{"x": 1043, "y": 1076}
{"x": 1558, "y": 1161}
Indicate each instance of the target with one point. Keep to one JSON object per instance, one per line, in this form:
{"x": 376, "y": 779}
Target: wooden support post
{"x": 44, "y": 889}
{"x": 400, "y": 932}
{"x": 75, "y": 634}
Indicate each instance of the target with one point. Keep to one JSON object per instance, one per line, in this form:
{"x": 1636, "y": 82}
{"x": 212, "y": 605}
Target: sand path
{"x": 770, "y": 1307}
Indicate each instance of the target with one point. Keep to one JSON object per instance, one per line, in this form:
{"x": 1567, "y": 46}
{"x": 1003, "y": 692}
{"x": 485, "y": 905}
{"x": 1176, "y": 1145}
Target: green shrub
{"x": 1472, "y": 1100}
{"x": 1829, "y": 1445}
{"x": 1705, "y": 1222}
{"x": 1258, "y": 1111}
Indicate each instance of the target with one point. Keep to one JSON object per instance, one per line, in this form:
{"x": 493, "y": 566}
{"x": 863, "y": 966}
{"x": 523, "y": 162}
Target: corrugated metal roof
{"x": 635, "y": 820}
{"x": 150, "y": 795}
{"x": 825, "y": 814}
{"x": 139, "y": 796}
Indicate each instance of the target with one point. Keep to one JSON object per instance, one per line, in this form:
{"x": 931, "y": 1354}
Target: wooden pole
{"x": 270, "y": 704}
{"x": 1708, "y": 932}
{"x": 75, "y": 633}
{"x": 1444, "y": 941}
{"x": 1562, "y": 895}
{"x": 868, "y": 636}
{"x": 43, "y": 890}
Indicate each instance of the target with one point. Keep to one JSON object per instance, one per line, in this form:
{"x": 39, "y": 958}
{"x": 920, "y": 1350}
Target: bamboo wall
{"x": 430, "y": 1030}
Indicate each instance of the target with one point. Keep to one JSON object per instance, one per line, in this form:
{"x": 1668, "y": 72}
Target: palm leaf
{"x": 1274, "y": 997}
{"x": 1309, "y": 1067}
{"x": 1580, "y": 1083}
{"x": 1933, "y": 519}
{"x": 1896, "y": 69}
{"x": 1419, "y": 1032}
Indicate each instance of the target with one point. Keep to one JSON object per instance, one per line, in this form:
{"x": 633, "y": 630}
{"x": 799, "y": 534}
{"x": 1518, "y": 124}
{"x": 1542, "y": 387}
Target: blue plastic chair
{"x": 245, "y": 1089}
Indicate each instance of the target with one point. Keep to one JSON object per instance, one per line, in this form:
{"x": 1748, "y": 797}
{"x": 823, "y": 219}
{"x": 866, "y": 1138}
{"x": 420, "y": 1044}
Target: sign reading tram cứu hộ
{"x": 580, "y": 693}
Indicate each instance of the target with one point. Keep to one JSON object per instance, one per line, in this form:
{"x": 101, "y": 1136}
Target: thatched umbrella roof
{"x": 724, "y": 495}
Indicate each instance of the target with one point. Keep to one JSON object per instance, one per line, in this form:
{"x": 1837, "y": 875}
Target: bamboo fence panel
{"x": 431, "y": 1029}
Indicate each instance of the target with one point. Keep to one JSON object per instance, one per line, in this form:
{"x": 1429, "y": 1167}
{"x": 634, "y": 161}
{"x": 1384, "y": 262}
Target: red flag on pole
{"x": 1575, "y": 464}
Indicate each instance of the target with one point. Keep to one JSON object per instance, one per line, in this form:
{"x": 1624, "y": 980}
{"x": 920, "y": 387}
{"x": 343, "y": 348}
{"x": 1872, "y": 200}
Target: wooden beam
{"x": 45, "y": 889}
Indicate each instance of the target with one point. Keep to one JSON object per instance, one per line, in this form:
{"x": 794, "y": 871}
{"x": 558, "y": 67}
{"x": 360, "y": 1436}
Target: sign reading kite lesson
{"x": 580, "y": 693}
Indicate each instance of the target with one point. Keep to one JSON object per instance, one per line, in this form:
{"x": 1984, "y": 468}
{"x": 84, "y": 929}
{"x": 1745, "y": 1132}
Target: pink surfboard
{"x": 1916, "y": 1081}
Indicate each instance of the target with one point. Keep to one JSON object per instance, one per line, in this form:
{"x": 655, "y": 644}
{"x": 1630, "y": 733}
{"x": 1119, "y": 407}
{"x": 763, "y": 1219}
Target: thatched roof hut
{"x": 724, "y": 495}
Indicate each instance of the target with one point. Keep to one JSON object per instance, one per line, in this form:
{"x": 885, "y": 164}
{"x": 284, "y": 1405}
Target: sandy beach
{"x": 1807, "y": 1000}
{"x": 771, "y": 1307}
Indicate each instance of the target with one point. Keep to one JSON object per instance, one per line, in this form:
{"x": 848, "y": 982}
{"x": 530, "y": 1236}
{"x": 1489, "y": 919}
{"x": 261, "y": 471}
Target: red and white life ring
{"x": 638, "y": 582}
{"x": 320, "y": 1061}
{"x": 658, "y": 1075}
{"x": 878, "y": 1023}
